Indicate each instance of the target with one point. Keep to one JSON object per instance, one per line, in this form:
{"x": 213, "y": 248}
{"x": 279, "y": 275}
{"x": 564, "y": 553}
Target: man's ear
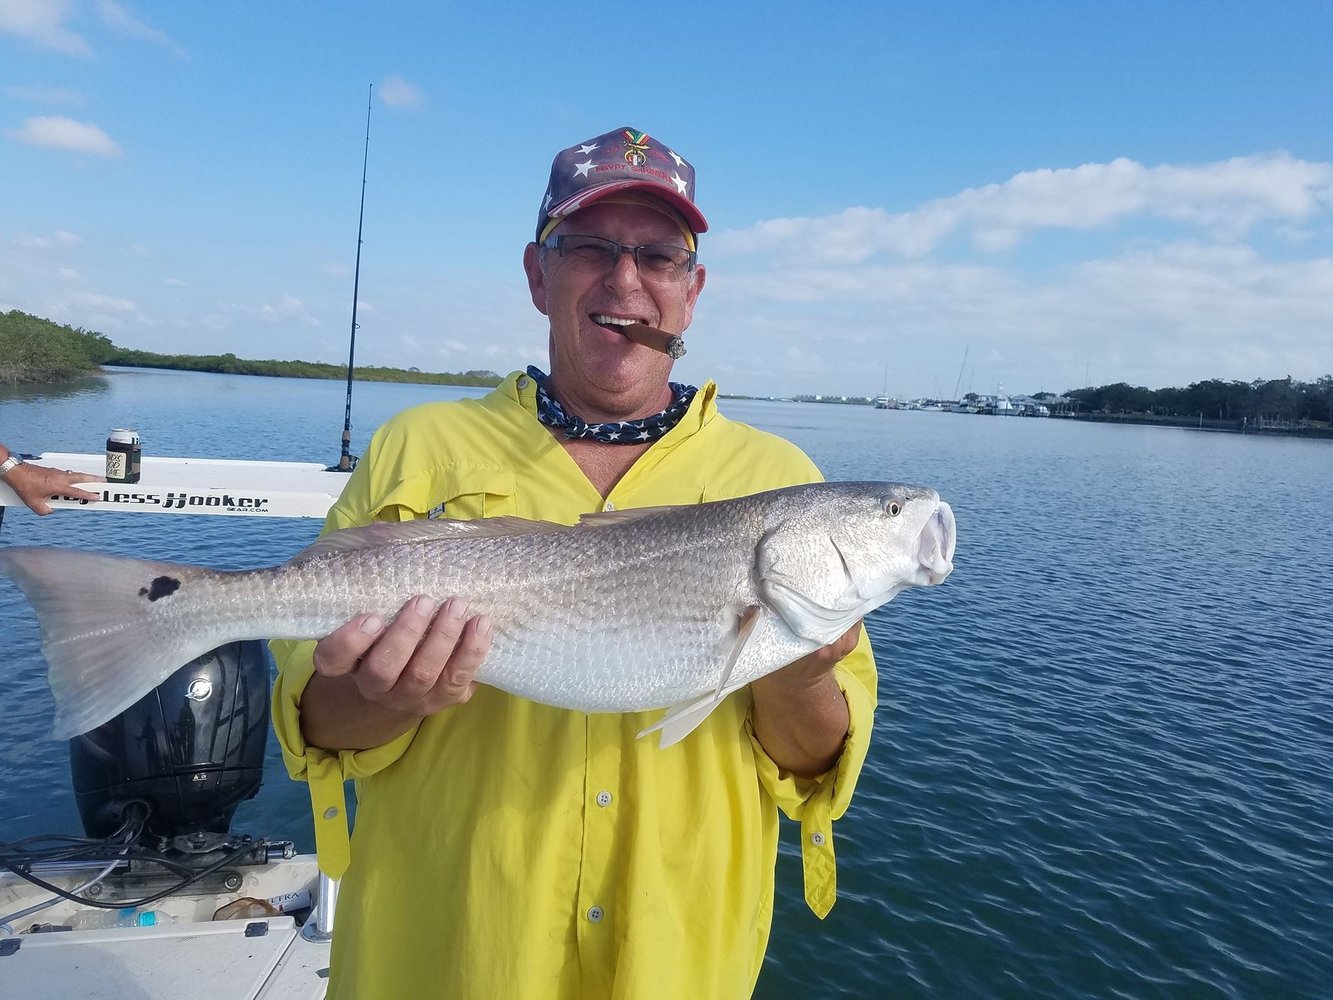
{"x": 532, "y": 266}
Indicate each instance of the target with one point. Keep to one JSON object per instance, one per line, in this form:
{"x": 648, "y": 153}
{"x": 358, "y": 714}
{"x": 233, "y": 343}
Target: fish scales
{"x": 623, "y": 612}
{"x": 580, "y": 602}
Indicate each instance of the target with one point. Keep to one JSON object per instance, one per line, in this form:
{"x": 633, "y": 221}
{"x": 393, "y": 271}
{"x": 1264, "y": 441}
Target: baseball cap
{"x": 620, "y": 161}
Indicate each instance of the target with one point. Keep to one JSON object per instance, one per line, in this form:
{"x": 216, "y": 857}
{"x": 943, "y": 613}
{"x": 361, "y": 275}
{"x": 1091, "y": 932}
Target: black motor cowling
{"x": 192, "y": 748}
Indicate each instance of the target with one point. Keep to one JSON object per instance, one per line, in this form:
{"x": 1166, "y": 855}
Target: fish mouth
{"x": 935, "y": 545}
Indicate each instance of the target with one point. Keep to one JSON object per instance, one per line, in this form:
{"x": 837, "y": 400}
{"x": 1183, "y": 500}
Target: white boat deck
{"x": 263, "y": 958}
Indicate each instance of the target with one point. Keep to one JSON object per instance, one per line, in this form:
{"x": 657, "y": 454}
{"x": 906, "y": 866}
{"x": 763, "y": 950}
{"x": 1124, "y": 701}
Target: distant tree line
{"x": 1283, "y": 399}
{"x": 230, "y": 364}
{"x": 33, "y": 349}
{"x": 36, "y": 350}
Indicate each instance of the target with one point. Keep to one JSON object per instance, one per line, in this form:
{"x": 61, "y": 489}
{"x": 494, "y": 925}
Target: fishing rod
{"x": 346, "y": 460}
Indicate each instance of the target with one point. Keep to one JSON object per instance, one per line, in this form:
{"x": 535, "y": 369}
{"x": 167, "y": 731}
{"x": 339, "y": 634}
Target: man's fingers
{"x": 338, "y": 652}
{"x": 383, "y": 664}
{"x": 456, "y": 683}
{"x": 424, "y": 661}
{"x": 437, "y": 644}
{"x": 845, "y": 643}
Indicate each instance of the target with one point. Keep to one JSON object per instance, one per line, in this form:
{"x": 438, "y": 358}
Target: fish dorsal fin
{"x": 382, "y": 533}
{"x": 604, "y": 518}
{"x": 684, "y": 718}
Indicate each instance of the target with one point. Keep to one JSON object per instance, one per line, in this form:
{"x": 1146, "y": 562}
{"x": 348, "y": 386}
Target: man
{"x": 509, "y": 849}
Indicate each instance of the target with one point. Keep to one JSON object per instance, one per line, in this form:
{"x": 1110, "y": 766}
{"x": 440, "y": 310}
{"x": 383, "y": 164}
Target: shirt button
{"x": 522, "y": 383}
{"x": 603, "y": 799}
{"x": 817, "y": 839}
{"x": 595, "y": 914}
{"x": 609, "y": 506}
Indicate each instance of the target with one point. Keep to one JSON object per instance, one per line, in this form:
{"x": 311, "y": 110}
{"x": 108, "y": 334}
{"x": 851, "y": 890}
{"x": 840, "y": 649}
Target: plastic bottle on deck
{"x": 126, "y": 916}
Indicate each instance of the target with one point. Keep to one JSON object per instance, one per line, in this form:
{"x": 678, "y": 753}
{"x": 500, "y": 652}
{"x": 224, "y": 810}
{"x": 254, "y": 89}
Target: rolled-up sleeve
{"x": 325, "y": 771}
{"x": 816, "y": 802}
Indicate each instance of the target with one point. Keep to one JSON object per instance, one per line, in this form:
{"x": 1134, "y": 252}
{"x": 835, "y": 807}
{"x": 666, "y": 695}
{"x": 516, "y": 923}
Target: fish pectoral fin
{"x": 808, "y": 618}
{"x": 745, "y": 624}
{"x": 382, "y": 533}
{"x": 683, "y": 719}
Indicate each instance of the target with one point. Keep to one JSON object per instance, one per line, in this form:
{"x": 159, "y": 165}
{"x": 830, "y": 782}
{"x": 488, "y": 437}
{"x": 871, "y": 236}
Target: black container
{"x": 123, "y": 456}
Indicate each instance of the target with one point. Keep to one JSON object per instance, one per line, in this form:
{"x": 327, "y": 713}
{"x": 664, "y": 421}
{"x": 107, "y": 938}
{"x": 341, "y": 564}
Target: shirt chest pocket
{"x": 458, "y": 492}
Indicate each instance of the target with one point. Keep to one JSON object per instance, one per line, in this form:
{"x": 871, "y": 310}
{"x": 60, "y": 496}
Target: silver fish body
{"x": 623, "y": 612}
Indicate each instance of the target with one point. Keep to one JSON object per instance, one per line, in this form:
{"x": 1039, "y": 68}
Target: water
{"x": 1103, "y": 759}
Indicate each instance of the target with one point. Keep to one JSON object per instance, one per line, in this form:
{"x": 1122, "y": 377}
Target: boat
{"x": 161, "y": 898}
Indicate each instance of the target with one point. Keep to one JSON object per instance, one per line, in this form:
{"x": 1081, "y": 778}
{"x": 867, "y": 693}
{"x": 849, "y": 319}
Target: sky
{"x": 919, "y": 198}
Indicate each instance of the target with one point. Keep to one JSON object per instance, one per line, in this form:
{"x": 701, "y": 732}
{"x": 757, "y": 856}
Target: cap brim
{"x": 693, "y": 217}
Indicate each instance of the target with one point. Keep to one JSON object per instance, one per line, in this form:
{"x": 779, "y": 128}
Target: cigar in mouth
{"x": 659, "y": 340}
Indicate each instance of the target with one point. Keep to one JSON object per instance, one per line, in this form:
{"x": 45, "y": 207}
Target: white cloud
{"x": 42, "y": 23}
{"x": 1157, "y": 275}
{"x": 1226, "y": 198}
{"x": 115, "y": 15}
{"x": 65, "y": 96}
{"x": 398, "y": 93}
{"x": 287, "y": 307}
{"x": 99, "y": 302}
{"x": 1166, "y": 315}
{"x": 59, "y": 238}
{"x": 58, "y": 132}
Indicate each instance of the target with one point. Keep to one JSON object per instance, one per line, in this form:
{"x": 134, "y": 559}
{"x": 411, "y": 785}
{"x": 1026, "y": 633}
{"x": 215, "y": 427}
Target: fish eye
{"x": 892, "y": 508}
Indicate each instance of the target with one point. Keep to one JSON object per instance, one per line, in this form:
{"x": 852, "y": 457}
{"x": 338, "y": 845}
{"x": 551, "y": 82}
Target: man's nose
{"x": 624, "y": 272}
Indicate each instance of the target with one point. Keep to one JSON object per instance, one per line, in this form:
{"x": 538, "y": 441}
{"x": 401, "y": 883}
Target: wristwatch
{"x": 9, "y": 464}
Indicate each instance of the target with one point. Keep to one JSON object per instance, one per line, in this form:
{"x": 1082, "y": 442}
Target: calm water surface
{"x": 1103, "y": 759}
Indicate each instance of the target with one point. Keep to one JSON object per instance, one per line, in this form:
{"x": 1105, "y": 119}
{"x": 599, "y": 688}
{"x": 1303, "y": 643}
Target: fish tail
{"x": 103, "y": 632}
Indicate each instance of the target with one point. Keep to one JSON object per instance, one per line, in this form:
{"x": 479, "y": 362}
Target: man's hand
{"x": 373, "y": 683}
{"x": 36, "y": 484}
{"x": 800, "y": 714}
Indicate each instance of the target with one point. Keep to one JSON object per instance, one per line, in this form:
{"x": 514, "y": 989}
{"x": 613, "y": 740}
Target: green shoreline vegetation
{"x": 36, "y": 350}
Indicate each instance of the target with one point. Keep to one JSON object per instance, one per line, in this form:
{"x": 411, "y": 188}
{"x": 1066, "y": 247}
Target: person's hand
{"x": 800, "y": 715}
{"x": 812, "y": 668}
{"x": 423, "y": 662}
{"x": 36, "y": 484}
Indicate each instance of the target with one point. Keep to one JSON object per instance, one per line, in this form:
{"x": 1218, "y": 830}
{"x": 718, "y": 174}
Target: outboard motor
{"x": 192, "y": 749}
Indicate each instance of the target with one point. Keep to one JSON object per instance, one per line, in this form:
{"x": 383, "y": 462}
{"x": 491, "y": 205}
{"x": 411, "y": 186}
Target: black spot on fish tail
{"x": 161, "y": 587}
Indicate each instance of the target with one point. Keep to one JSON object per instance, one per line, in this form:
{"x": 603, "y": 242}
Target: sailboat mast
{"x": 961, "y": 368}
{"x": 346, "y": 461}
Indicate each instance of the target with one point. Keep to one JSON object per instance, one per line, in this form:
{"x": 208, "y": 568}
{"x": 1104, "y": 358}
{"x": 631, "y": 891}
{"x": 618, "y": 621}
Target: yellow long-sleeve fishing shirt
{"x": 506, "y": 849}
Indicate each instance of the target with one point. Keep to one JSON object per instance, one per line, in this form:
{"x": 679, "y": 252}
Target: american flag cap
{"x": 621, "y": 160}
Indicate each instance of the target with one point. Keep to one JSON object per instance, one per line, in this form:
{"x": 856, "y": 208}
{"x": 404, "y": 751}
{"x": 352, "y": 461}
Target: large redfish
{"x": 623, "y": 612}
